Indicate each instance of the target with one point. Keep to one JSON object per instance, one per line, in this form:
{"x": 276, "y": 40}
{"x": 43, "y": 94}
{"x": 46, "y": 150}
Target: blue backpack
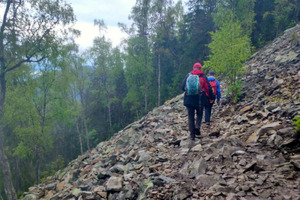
{"x": 192, "y": 86}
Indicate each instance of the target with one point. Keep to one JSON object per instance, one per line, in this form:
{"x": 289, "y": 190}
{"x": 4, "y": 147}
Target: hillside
{"x": 250, "y": 151}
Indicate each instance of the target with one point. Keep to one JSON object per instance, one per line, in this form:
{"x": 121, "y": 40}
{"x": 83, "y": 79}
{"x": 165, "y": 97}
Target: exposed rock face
{"x": 248, "y": 152}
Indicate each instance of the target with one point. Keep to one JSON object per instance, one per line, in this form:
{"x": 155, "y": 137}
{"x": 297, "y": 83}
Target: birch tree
{"x": 27, "y": 34}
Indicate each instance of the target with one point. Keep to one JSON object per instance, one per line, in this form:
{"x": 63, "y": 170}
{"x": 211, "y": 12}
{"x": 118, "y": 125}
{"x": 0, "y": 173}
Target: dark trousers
{"x": 208, "y": 109}
{"x": 191, "y": 118}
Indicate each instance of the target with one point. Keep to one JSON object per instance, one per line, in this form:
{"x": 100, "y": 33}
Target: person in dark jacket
{"x": 208, "y": 108}
{"x": 196, "y": 102}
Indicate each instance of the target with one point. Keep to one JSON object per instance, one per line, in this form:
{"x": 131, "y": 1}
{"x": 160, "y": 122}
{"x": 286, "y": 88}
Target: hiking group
{"x": 200, "y": 94}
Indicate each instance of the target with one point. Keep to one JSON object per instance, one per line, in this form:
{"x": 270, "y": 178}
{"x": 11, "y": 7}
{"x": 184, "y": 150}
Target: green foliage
{"x": 135, "y": 76}
{"x": 284, "y": 9}
{"x": 296, "y": 123}
{"x": 230, "y": 49}
{"x": 93, "y": 136}
{"x": 53, "y": 167}
{"x": 194, "y": 32}
{"x": 245, "y": 15}
{"x": 235, "y": 90}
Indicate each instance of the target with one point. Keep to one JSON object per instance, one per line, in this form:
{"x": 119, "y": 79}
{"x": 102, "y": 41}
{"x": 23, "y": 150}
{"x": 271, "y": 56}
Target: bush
{"x": 296, "y": 122}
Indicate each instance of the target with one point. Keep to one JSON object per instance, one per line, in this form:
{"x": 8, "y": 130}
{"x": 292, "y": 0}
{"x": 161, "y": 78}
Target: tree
{"x": 67, "y": 108}
{"x": 198, "y": 23}
{"x": 140, "y": 15}
{"x": 162, "y": 18}
{"x": 135, "y": 77}
{"x": 230, "y": 48}
{"x": 264, "y": 23}
{"x": 102, "y": 61}
{"x": 26, "y": 36}
{"x": 32, "y": 123}
{"x": 245, "y": 14}
{"x": 81, "y": 84}
{"x": 286, "y": 14}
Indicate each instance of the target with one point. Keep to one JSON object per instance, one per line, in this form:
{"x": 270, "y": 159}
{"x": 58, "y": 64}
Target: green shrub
{"x": 296, "y": 122}
{"x": 235, "y": 90}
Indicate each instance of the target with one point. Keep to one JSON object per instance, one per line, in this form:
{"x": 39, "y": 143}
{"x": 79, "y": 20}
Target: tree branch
{"x": 28, "y": 60}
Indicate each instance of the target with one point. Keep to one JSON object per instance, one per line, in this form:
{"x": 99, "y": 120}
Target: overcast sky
{"x": 111, "y": 11}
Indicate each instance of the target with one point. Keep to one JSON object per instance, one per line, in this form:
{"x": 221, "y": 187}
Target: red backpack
{"x": 214, "y": 86}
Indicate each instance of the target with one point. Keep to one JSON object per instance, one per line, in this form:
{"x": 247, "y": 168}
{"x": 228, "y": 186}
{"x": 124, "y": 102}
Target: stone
{"x": 30, "y": 197}
{"x": 145, "y": 186}
{"x": 206, "y": 180}
{"x": 60, "y": 186}
{"x": 181, "y": 193}
{"x": 198, "y": 147}
{"x": 273, "y": 126}
{"x": 144, "y": 156}
{"x": 76, "y": 192}
{"x": 118, "y": 168}
{"x": 247, "y": 108}
{"x": 114, "y": 184}
{"x": 199, "y": 166}
{"x": 50, "y": 186}
{"x": 266, "y": 194}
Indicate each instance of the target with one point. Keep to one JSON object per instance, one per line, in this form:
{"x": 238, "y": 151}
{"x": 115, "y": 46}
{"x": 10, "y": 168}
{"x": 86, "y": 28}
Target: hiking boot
{"x": 207, "y": 123}
{"x": 197, "y": 131}
{"x": 192, "y": 136}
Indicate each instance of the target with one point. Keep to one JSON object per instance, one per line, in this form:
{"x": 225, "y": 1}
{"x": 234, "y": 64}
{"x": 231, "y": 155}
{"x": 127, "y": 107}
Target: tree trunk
{"x": 7, "y": 177}
{"x": 37, "y": 151}
{"x": 37, "y": 167}
{"x": 109, "y": 116}
{"x": 17, "y": 174}
{"x": 83, "y": 113}
{"x": 85, "y": 128}
{"x": 158, "y": 80}
{"x": 80, "y": 139}
{"x": 146, "y": 72}
{"x": 108, "y": 107}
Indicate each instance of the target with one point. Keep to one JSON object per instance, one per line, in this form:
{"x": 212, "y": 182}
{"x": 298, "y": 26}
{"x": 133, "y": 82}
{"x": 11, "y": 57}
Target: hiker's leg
{"x": 208, "y": 112}
{"x": 198, "y": 120}
{"x": 200, "y": 115}
{"x": 191, "y": 120}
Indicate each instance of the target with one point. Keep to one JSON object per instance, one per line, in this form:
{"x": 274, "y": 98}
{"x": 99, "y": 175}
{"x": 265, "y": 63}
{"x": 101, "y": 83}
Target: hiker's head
{"x": 197, "y": 66}
{"x": 211, "y": 73}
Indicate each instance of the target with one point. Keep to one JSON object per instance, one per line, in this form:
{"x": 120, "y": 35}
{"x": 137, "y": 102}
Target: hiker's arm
{"x": 183, "y": 83}
{"x": 218, "y": 91}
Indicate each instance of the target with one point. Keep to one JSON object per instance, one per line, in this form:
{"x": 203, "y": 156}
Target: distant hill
{"x": 250, "y": 151}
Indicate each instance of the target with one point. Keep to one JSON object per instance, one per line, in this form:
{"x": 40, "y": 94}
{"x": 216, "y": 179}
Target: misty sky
{"x": 111, "y": 11}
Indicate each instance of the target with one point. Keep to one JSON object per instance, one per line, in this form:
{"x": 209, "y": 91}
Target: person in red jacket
{"x": 196, "y": 103}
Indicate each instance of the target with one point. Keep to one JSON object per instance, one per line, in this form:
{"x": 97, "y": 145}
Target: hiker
{"x": 196, "y": 96}
{"x": 215, "y": 85}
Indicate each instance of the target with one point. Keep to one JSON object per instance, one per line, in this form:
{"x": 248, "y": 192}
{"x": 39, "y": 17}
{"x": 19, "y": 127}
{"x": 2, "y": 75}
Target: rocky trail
{"x": 250, "y": 150}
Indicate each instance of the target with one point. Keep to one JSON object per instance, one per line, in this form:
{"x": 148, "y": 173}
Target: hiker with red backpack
{"x": 196, "y": 97}
{"x": 215, "y": 85}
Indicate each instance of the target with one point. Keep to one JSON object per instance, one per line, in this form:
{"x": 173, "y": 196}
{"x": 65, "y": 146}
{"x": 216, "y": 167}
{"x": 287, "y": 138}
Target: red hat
{"x": 197, "y": 66}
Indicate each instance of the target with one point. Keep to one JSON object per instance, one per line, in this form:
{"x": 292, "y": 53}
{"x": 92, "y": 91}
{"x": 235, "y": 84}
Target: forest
{"x": 57, "y": 102}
